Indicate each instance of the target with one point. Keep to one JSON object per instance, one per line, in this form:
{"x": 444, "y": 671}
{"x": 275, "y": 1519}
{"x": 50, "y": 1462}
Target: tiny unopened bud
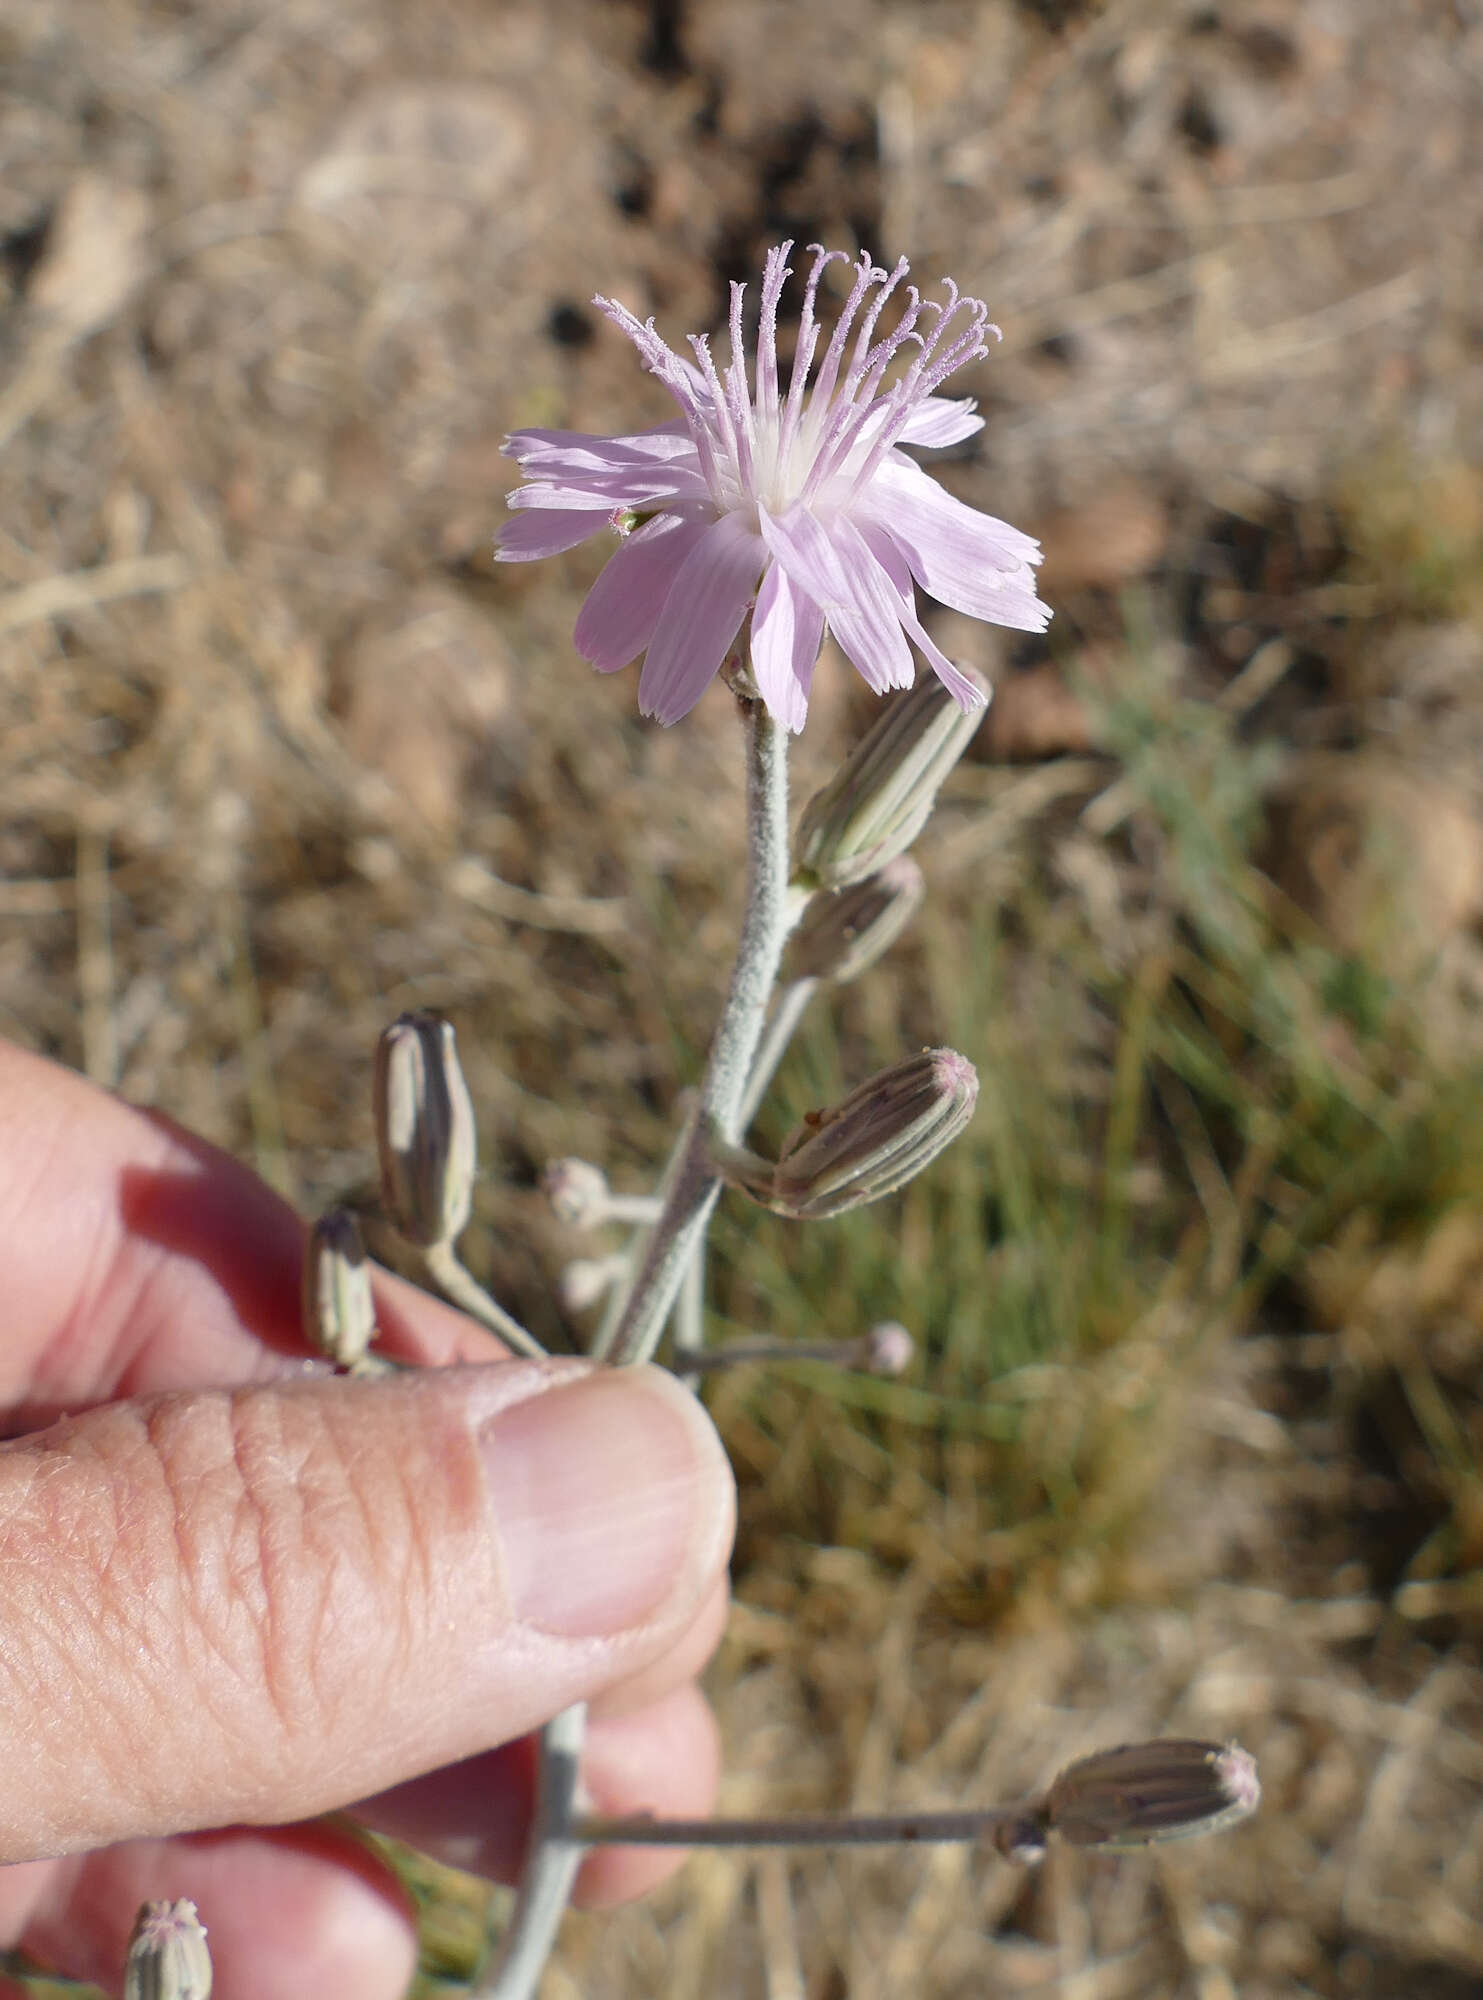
{"x": 578, "y": 1192}
{"x": 876, "y": 1139}
{"x": 424, "y": 1130}
{"x": 843, "y": 931}
{"x": 1144, "y": 1792}
{"x": 167, "y": 1957}
{"x": 881, "y": 797}
{"x": 339, "y": 1311}
{"x": 889, "y": 1349}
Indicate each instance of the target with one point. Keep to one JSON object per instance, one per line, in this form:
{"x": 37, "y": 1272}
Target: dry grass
{"x": 1196, "y": 1442}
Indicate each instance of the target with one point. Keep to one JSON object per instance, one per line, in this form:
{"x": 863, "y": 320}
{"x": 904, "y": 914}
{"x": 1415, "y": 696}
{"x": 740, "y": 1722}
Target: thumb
{"x": 257, "y": 1604}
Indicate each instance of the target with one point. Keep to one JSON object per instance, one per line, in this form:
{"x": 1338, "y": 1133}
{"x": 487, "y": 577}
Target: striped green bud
{"x": 844, "y": 931}
{"x": 339, "y": 1311}
{"x": 1144, "y": 1792}
{"x": 874, "y": 1140}
{"x": 425, "y": 1133}
{"x": 881, "y": 797}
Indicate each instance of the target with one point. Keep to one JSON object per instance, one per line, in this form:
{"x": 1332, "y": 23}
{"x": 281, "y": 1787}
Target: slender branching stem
{"x": 694, "y": 1186}
{"x": 551, "y": 1863}
{"x": 689, "y": 1323}
{"x": 462, "y": 1289}
{"x": 781, "y": 1028}
{"x": 809, "y": 1830}
{"x": 751, "y": 1353}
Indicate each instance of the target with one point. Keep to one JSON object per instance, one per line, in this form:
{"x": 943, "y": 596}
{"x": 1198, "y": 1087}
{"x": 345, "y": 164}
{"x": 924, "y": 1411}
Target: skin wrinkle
{"x": 347, "y": 1493}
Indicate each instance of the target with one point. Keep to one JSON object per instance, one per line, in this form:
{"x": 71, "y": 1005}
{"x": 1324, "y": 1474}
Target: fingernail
{"x": 610, "y": 1495}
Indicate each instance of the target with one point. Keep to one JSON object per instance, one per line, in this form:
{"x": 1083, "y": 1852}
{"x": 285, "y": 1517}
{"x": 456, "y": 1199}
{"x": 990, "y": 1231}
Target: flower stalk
{"x": 1136, "y": 1795}
{"x": 694, "y": 1185}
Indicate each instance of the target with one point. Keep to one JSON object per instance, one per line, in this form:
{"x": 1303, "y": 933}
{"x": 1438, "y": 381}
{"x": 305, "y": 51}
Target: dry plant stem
{"x": 792, "y": 1004}
{"x": 744, "y": 1353}
{"x": 803, "y": 1830}
{"x": 462, "y": 1289}
{"x": 693, "y": 1188}
{"x": 619, "y": 1295}
{"x": 689, "y": 1326}
{"x": 551, "y": 1863}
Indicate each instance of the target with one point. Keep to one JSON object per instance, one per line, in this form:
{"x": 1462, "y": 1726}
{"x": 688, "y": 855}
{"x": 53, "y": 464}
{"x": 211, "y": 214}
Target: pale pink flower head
{"x": 795, "y": 507}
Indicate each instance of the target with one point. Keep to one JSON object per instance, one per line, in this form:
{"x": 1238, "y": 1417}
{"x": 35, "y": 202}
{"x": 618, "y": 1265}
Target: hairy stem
{"x": 693, "y": 1187}
{"x": 812, "y": 1830}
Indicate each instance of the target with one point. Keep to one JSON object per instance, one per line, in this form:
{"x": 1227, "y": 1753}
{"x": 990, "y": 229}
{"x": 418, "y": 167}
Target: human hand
{"x": 237, "y": 1591}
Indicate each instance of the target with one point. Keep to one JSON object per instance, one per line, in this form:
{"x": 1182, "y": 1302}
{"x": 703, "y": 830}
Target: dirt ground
{"x": 282, "y": 752}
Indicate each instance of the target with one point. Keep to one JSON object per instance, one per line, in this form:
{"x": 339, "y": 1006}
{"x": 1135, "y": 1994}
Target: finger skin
{"x": 309, "y": 1910}
{"x": 138, "y": 1258}
{"x": 267, "y": 1569}
{"x": 684, "y": 1661}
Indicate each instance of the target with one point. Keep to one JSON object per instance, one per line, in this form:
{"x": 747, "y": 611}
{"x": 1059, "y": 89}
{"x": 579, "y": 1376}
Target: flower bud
{"x": 424, "y": 1130}
{"x": 339, "y": 1311}
{"x": 880, "y": 798}
{"x": 578, "y": 1192}
{"x": 843, "y": 931}
{"x": 1144, "y": 1792}
{"x": 167, "y": 1957}
{"x": 876, "y": 1139}
{"x": 888, "y": 1348}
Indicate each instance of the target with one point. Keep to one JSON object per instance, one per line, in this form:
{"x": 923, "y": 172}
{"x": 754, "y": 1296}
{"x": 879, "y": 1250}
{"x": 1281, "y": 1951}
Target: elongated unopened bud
{"x": 1144, "y": 1792}
{"x": 881, "y": 797}
{"x": 425, "y": 1131}
{"x": 876, "y": 1139}
{"x": 167, "y": 1957}
{"x": 339, "y": 1311}
{"x": 843, "y": 931}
